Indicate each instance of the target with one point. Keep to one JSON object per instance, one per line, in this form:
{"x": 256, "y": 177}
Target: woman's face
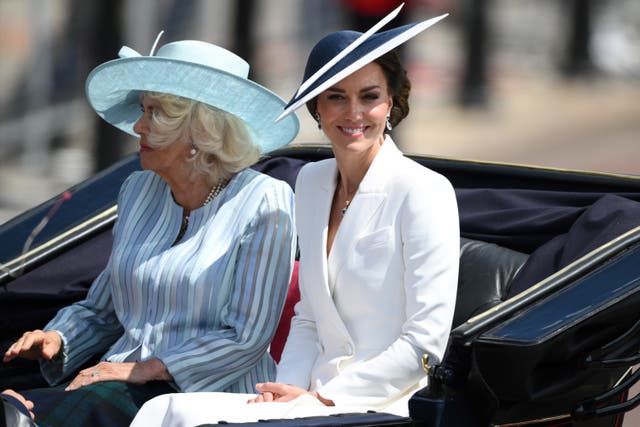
{"x": 160, "y": 160}
{"x": 353, "y": 112}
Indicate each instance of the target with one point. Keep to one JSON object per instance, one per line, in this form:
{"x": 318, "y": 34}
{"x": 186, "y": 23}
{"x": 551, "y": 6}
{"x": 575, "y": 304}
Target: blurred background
{"x": 552, "y": 83}
{"x": 546, "y": 82}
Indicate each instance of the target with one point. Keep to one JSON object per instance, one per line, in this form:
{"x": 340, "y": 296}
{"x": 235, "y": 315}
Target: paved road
{"x": 581, "y": 126}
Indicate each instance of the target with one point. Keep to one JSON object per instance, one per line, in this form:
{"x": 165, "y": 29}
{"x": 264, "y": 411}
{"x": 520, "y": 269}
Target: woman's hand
{"x": 131, "y": 372}
{"x": 27, "y": 403}
{"x": 277, "y": 392}
{"x": 35, "y": 344}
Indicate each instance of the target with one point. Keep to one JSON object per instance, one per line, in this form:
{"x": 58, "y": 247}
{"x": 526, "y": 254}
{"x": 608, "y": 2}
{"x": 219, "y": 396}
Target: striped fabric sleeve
{"x": 95, "y": 314}
{"x": 261, "y": 277}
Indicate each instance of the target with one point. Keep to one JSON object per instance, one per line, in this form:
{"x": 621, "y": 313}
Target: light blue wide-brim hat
{"x": 191, "y": 69}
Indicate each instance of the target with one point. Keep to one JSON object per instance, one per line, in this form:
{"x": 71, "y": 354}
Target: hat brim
{"x": 113, "y": 90}
{"x": 373, "y": 47}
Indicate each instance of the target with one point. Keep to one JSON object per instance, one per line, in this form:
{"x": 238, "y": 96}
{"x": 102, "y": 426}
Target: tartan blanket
{"x": 103, "y": 404}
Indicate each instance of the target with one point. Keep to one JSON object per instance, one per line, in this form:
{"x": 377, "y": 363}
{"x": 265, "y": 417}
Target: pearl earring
{"x": 317, "y": 117}
{"x": 389, "y": 127}
{"x": 193, "y": 150}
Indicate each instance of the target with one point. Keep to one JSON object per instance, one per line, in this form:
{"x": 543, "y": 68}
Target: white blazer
{"x": 385, "y": 295}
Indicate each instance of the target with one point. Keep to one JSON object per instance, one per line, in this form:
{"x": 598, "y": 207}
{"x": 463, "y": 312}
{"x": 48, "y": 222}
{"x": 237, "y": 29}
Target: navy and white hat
{"x": 340, "y": 54}
{"x": 191, "y": 69}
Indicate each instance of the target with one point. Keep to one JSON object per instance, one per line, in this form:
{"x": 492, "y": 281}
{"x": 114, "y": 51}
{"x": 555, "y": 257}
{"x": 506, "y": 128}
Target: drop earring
{"x": 389, "y": 127}
{"x": 317, "y": 117}
{"x": 193, "y": 150}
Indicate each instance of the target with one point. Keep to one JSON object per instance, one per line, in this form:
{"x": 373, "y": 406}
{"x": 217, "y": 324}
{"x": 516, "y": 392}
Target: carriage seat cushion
{"x": 282, "y": 332}
{"x": 486, "y": 271}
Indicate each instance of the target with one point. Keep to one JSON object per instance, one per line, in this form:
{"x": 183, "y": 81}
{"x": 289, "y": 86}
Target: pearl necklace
{"x": 215, "y": 191}
{"x": 212, "y": 195}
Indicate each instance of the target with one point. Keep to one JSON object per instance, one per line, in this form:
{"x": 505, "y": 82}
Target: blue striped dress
{"x": 207, "y": 306}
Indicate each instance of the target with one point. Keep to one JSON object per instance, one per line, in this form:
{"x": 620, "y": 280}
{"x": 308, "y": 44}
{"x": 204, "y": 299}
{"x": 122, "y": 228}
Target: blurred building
{"x": 536, "y": 103}
{"x": 530, "y": 111}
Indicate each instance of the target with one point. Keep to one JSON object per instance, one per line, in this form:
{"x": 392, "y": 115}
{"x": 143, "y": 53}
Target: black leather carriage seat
{"x": 486, "y": 272}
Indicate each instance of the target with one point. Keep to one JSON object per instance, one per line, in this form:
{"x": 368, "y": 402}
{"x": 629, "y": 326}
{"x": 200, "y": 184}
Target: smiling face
{"x": 353, "y": 111}
{"x": 163, "y": 158}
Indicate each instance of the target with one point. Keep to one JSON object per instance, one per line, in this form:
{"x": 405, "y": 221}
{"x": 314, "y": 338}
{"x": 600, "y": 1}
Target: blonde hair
{"x": 223, "y": 141}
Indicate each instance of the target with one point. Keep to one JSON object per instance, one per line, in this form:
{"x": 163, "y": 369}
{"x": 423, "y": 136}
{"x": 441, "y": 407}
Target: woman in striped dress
{"x": 203, "y": 245}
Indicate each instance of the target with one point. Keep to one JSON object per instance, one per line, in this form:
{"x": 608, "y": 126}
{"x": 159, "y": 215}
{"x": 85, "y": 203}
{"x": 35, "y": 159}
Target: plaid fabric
{"x": 103, "y": 404}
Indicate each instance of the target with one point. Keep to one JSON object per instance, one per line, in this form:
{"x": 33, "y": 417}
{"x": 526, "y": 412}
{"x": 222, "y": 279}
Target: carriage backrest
{"x": 486, "y": 272}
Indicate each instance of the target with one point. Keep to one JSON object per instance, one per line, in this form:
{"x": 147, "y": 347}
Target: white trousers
{"x": 192, "y": 409}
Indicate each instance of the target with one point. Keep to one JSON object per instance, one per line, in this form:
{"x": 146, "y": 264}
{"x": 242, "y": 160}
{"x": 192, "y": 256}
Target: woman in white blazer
{"x": 379, "y": 253}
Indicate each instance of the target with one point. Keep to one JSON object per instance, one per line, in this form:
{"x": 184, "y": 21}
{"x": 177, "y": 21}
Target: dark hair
{"x": 398, "y": 84}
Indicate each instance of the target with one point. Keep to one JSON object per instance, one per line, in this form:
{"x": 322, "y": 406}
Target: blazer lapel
{"x": 322, "y": 217}
{"x": 323, "y": 298}
{"x": 364, "y": 207}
